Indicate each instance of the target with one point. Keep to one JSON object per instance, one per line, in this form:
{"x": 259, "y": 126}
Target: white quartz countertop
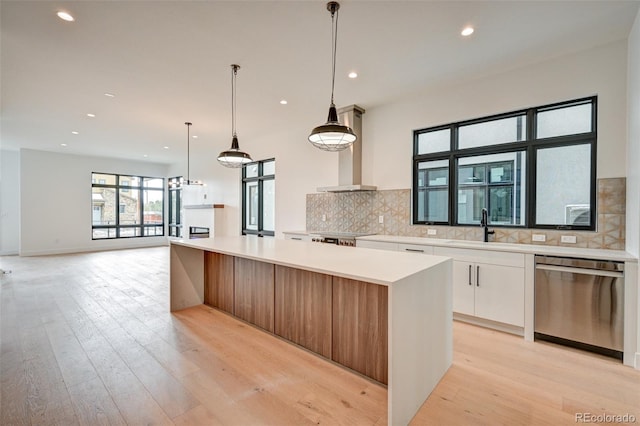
{"x": 374, "y": 266}
{"x": 617, "y": 255}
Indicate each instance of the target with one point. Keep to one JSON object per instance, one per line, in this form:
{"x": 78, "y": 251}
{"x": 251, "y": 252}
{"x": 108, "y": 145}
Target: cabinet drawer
{"x": 380, "y": 245}
{"x": 415, "y": 248}
{"x": 484, "y": 256}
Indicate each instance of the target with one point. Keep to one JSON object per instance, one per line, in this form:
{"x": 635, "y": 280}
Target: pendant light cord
{"x": 334, "y": 39}
{"x": 234, "y": 72}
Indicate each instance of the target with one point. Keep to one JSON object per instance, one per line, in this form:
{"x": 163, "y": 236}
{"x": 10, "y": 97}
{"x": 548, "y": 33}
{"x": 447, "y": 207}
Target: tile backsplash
{"x": 360, "y": 212}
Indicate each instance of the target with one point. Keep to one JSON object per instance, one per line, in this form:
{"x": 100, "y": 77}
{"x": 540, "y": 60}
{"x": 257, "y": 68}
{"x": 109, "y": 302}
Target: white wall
{"x": 602, "y": 71}
{"x": 55, "y": 202}
{"x": 9, "y": 201}
{"x": 633, "y": 159}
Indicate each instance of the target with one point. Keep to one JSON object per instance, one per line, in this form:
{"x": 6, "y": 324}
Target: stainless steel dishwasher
{"x": 580, "y": 302}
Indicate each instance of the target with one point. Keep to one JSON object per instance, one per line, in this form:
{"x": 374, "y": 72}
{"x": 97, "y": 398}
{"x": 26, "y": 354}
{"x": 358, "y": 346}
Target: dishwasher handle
{"x": 596, "y": 272}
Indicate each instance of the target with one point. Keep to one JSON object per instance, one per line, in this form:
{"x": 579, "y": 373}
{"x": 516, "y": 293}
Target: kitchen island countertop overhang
{"x": 415, "y": 292}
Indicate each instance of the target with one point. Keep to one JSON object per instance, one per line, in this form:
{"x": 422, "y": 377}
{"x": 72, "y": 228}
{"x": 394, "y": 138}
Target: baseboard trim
{"x": 507, "y": 328}
{"x": 636, "y": 364}
{"x": 115, "y": 245}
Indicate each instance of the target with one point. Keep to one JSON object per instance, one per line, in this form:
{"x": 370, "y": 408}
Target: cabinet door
{"x": 254, "y": 292}
{"x": 218, "y": 281}
{"x": 360, "y": 327}
{"x": 499, "y": 293}
{"x": 303, "y": 308}
{"x": 463, "y": 287}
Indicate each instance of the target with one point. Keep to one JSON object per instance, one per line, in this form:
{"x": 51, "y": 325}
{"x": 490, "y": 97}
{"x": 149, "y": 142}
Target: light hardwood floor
{"x": 88, "y": 339}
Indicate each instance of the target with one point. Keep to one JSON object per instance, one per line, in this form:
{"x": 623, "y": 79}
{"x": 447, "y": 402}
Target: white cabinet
{"x": 380, "y": 245}
{"x": 297, "y": 237}
{"x": 487, "y": 284}
{"x": 415, "y": 248}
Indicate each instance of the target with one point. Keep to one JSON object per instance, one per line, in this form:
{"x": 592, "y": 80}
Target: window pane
{"x": 130, "y": 198}
{"x": 151, "y": 231}
{"x": 102, "y": 233}
{"x": 433, "y": 184}
{"x": 153, "y": 182}
{"x": 251, "y": 170}
{"x": 495, "y": 182}
{"x": 564, "y": 121}
{"x": 129, "y": 181}
{"x": 504, "y": 130}
{"x": 436, "y": 141}
{"x": 269, "y": 168}
{"x": 152, "y": 206}
{"x": 103, "y": 202}
{"x": 563, "y": 182}
{"x": 130, "y": 232}
{"x": 269, "y": 205}
{"x": 251, "y": 203}
{"x": 102, "y": 178}
{"x": 470, "y": 204}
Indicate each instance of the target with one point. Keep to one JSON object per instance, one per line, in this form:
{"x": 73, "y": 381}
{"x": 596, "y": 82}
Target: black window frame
{"x": 141, "y": 188}
{"x": 174, "y": 189}
{"x": 530, "y": 145}
{"x": 260, "y": 178}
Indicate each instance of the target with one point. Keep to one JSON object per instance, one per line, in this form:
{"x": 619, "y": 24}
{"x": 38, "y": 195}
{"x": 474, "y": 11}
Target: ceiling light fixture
{"x": 467, "y": 31}
{"x": 63, "y": 144}
{"x": 65, "y": 16}
{"x": 332, "y": 136}
{"x": 353, "y": 74}
{"x": 91, "y": 115}
{"x": 283, "y": 102}
{"x": 189, "y": 181}
{"x": 74, "y": 132}
{"x": 110, "y": 95}
{"x": 234, "y": 158}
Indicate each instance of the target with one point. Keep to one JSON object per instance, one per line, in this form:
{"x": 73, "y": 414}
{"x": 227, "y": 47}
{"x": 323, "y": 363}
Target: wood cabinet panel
{"x": 303, "y": 308}
{"x": 254, "y": 292}
{"x": 360, "y": 338}
{"x": 218, "y": 281}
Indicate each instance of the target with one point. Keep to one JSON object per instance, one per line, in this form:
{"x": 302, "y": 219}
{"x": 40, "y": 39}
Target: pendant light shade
{"x": 332, "y": 136}
{"x": 233, "y": 157}
{"x": 189, "y": 181}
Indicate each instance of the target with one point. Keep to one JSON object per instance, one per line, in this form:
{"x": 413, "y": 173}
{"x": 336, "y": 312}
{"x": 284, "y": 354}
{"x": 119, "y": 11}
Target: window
{"x": 534, "y": 168}
{"x": 126, "y": 206}
{"x": 258, "y": 198}
{"x": 175, "y": 206}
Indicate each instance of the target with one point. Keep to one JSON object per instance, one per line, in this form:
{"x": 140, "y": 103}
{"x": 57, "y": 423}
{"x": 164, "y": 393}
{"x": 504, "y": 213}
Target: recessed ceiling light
{"x": 65, "y": 16}
{"x": 166, "y": 147}
{"x": 353, "y": 74}
{"x": 195, "y": 136}
{"x": 74, "y": 132}
{"x": 91, "y": 115}
{"x": 145, "y": 155}
{"x": 467, "y": 31}
{"x": 110, "y": 95}
{"x": 63, "y": 144}
{"x": 283, "y": 102}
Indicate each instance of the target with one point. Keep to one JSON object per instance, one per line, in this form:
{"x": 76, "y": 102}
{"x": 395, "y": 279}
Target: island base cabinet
{"x": 360, "y": 338}
{"x": 218, "y": 281}
{"x": 303, "y": 308}
{"x": 254, "y": 292}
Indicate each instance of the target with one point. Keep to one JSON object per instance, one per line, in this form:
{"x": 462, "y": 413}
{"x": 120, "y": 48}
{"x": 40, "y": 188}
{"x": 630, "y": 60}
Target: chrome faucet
{"x": 484, "y": 222}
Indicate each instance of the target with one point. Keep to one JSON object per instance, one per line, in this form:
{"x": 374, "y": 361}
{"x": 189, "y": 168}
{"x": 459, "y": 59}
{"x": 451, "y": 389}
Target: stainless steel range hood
{"x": 350, "y": 159}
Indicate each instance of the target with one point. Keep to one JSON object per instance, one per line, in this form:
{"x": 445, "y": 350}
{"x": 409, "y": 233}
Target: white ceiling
{"x": 168, "y": 62}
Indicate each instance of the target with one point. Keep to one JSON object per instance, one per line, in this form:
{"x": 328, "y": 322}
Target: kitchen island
{"x": 385, "y": 315}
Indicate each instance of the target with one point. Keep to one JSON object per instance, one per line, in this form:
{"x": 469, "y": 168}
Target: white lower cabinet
{"x": 492, "y": 291}
{"x": 380, "y": 245}
{"x": 415, "y": 248}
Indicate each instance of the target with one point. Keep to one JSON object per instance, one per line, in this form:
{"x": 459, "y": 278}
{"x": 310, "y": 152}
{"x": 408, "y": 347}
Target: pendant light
{"x": 189, "y": 181}
{"x": 332, "y": 136}
{"x": 233, "y": 157}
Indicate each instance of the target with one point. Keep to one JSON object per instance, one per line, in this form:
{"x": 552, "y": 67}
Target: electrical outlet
{"x": 432, "y": 232}
{"x": 569, "y": 239}
{"x": 380, "y": 219}
{"x": 324, "y": 217}
{"x": 538, "y": 237}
